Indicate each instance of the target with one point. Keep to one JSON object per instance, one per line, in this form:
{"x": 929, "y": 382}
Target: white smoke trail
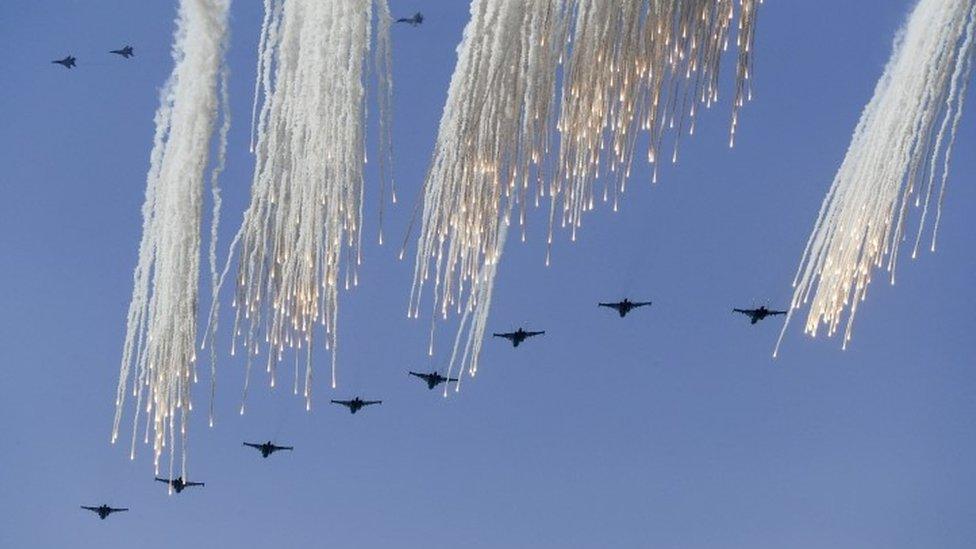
{"x": 631, "y": 65}
{"x": 639, "y": 66}
{"x": 908, "y": 125}
{"x": 493, "y": 132}
{"x": 161, "y": 322}
{"x": 306, "y": 201}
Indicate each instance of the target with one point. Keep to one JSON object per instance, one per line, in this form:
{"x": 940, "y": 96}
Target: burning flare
{"x": 901, "y": 146}
{"x": 631, "y": 65}
{"x": 306, "y": 198}
{"x": 161, "y": 326}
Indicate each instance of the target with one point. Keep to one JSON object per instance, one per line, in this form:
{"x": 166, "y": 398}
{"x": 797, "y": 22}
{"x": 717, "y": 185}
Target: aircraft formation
{"x": 70, "y": 61}
{"x": 431, "y": 379}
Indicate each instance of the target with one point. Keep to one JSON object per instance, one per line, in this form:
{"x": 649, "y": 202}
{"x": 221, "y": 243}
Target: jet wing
{"x": 611, "y": 305}
{"x": 90, "y": 508}
{"x": 119, "y": 510}
{"x": 776, "y": 313}
{"x": 368, "y": 402}
{"x": 744, "y": 311}
{"x": 343, "y": 402}
{"x": 167, "y": 481}
{"x": 193, "y": 484}
{"x": 283, "y": 448}
{"x": 252, "y": 445}
{"x": 532, "y": 334}
{"x": 642, "y": 303}
{"x": 508, "y": 335}
{"x": 421, "y": 376}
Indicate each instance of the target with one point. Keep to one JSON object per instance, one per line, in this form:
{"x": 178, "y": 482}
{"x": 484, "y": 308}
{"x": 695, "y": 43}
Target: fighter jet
{"x": 124, "y": 52}
{"x": 355, "y": 404}
{"x": 433, "y": 379}
{"x": 625, "y": 306}
{"x": 267, "y": 448}
{"x": 177, "y": 484}
{"x": 103, "y": 511}
{"x": 758, "y": 314}
{"x": 68, "y": 62}
{"x": 518, "y": 336}
{"x": 417, "y": 19}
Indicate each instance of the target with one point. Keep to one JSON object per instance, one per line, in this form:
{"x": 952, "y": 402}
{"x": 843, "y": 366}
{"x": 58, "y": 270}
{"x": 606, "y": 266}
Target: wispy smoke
{"x": 901, "y": 146}
{"x": 306, "y": 197}
{"x": 630, "y": 66}
{"x": 162, "y": 319}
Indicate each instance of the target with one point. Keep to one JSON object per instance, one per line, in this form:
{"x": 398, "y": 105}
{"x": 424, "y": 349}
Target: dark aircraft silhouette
{"x": 518, "y": 336}
{"x": 124, "y": 52}
{"x": 625, "y": 306}
{"x": 758, "y": 314}
{"x": 433, "y": 379}
{"x": 355, "y": 404}
{"x": 417, "y": 19}
{"x": 177, "y": 484}
{"x": 267, "y": 448}
{"x": 68, "y": 62}
{"x": 103, "y": 511}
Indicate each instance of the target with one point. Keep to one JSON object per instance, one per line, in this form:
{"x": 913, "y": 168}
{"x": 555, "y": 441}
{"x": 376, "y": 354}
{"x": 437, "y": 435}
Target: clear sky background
{"x": 671, "y": 428}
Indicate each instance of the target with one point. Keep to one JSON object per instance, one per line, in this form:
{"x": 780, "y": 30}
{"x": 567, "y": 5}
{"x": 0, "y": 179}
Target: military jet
{"x": 355, "y": 404}
{"x": 625, "y": 306}
{"x": 758, "y": 314}
{"x": 433, "y": 379}
{"x": 177, "y": 484}
{"x": 518, "y": 336}
{"x": 417, "y": 19}
{"x": 103, "y": 511}
{"x": 267, "y": 448}
{"x": 124, "y": 52}
{"x": 68, "y": 62}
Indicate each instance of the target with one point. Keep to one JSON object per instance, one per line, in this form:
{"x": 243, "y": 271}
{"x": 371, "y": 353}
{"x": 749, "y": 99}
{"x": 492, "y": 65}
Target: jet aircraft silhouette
{"x": 518, "y": 336}
{"x": 103, "y": 511}
{"x": 124, "y": 52}
{"x": 433, "y": 379}
{"x": 267, "y": 448}
{"x": 417, "y": 19}
{"x": 355, "y": 404}
{"x": 625, "y": 306}
{"x": 178, "y": 484}
{"x": 755, "y": 315}
{"x": 67, "y": 62}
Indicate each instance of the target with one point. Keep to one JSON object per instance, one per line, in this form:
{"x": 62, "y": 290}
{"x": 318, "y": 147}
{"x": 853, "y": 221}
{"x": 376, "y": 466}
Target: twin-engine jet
{"x": 124, "y": 52}
{"x": 755, "y": 315}
{"x": 356, "y": 404}
{"x": 103, "y": 511}
{"x": 267, "y": 448}
{"x": 67, "y": 62}
{"x": 518, "y": 336}
{"x": 417, "y": 19}
{"x": 433, "y": 379}
{"x": 178, "y": 484}
{"x": 625, "y": 306}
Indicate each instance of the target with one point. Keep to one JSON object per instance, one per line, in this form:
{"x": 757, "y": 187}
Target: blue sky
{"x": 672, "y": 428}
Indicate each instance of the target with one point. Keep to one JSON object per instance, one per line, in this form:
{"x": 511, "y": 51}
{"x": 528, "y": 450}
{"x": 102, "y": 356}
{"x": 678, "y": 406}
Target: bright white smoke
{"x": 631, "y": 65}
{"x": 901, "y": 147}
{"x": 494, "y": 128}
{"x": 161, "y": 322}
{"x": 306, "y": 197}
{"x": 639, "y": 66}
